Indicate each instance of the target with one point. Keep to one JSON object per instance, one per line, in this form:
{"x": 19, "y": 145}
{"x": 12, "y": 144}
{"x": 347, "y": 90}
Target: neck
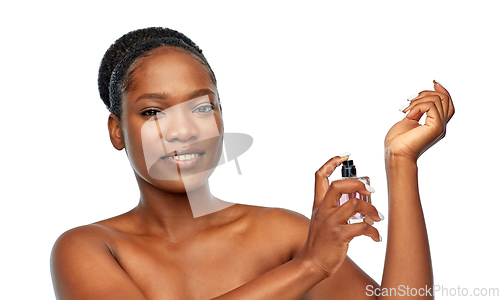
{"x": 179, "y": 215}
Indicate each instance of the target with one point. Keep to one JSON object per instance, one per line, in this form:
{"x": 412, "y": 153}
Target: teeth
{"x": 184, "y": 156}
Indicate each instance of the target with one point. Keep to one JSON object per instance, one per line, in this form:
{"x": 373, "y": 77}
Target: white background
{"x": 306, "y": 81}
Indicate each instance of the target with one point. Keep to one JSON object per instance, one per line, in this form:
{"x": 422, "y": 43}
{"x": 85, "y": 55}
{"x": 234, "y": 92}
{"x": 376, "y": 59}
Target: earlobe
{"x": 115, "y": 133}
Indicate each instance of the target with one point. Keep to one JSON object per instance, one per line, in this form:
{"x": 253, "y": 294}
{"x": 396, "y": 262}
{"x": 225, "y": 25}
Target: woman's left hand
{"x": 408, "y": 138}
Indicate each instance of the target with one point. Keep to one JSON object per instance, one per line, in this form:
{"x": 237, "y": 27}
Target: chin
{"x": 184, "y": 181}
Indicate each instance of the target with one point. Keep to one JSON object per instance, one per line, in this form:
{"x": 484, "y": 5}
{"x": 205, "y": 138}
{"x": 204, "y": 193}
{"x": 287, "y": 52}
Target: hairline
{"x": 126, "y": 84}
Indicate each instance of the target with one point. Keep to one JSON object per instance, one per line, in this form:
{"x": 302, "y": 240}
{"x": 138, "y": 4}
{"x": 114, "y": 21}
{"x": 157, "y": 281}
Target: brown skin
{"x": 158, "y": 250}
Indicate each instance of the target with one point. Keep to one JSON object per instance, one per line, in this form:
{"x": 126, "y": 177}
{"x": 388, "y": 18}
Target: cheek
{"x": 140, "y": 144}
{"x": 152, "y": 144}
{"x": 213, "y": 126}
{"x": 212, "y": 131}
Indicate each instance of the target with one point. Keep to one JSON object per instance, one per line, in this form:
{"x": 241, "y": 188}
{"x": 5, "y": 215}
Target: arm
{"x": 288, "y": 281}
{"x": 407, "y": 242}
{"x": 326, "y": 240}
{"x": 319, "y": 268}
{"x": 83, "y": 267}
{"x": 293, "y": 281}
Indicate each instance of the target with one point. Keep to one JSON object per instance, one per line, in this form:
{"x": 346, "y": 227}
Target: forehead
{"x": 170, "y": 71}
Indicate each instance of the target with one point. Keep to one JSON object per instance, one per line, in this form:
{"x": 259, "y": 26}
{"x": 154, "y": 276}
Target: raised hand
{"x": 408, "y": 138}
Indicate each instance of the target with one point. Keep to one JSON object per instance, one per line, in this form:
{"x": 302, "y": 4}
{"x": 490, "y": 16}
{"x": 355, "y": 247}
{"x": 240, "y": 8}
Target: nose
{"x": 179, "y": 126}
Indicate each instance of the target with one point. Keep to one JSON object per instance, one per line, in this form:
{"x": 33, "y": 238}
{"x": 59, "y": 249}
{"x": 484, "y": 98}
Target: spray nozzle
{"x": 348, "y": 169}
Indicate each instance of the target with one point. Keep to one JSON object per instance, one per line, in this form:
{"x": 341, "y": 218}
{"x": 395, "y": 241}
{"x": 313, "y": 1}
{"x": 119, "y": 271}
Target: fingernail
{"x": 404, "y": 107}
{"x": 381, "y": 216}
{"x": 412, "y": 97}
{"x": 369, "y": 188}
{"x": 380, "y": 238}
{"x": 435, "y": 81}
{"x": 344, "y": 154}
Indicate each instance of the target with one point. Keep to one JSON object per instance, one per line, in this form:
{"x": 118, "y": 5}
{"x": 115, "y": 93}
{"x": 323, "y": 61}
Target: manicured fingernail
{"x": 369, "y": 188}
{"x": 344, "y": 154}
{"x": 412, "y": 97}
{"x": 435, "y": 81}
{"x": 404, "y": 106}
{"x": 381, "y": 216}
{"x": 380, "y": 238}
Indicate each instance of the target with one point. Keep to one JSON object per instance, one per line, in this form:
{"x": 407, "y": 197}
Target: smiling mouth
{"x": 183, "y": 161}
{"x": 183, "y": 157}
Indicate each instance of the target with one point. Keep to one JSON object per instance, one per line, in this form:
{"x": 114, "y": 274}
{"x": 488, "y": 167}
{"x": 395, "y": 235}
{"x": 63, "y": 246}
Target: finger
{"x": 451, "y": 111}
{"x": 440, "y": 88}
{"x": 445, "y": 100}
{"x": 451, "y": 107}
{"x": 429, "y": 98}
{"x": 368, "y": 220}
{"x": 345, "y": 186}
{"x": 344, "y": 212}
{"x": 422, "y": 94}
{"x": 353, "y": 230}
{"x": 431, "y": 131}
{"x": 322, "y": 184}
{"x": 432, "y": 121}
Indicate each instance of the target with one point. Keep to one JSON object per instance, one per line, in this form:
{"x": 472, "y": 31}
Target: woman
{"x": 180, "y": 242}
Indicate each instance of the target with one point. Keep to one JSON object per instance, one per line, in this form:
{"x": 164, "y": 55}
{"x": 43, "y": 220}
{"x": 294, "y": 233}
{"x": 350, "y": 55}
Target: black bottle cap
{"x": 348, "y": 169}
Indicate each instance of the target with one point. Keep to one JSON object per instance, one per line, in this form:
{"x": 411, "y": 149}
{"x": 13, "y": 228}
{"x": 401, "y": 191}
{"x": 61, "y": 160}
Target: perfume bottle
{"x": 349, "y": 172}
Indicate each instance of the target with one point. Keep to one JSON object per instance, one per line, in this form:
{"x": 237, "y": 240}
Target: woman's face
{"x": 171, "y": 123}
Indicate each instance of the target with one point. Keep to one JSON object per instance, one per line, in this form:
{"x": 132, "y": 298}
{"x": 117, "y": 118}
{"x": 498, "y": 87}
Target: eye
{"x": 205, "y": 108}
{"x": 151, "y": 112}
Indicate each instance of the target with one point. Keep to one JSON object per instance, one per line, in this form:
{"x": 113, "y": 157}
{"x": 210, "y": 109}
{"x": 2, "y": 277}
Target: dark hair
{"x": 114, "y": 71}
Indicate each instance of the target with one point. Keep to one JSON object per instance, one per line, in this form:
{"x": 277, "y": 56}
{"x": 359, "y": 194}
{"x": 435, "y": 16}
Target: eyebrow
{"x": 201, "y": 92}
{"x": 163, "y": 96}
{"x": 152, "y": 96}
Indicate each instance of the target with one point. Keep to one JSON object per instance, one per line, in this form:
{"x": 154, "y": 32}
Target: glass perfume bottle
{"x": 349, "y": 172}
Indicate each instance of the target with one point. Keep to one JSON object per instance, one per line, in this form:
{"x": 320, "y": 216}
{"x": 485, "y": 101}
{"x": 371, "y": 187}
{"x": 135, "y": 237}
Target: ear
{"x": 115, "y": 132}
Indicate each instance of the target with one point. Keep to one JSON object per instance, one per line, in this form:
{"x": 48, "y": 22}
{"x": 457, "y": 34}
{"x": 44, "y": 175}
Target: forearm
{"x": 408, "y": 260}
{"x": 289, "y": 281}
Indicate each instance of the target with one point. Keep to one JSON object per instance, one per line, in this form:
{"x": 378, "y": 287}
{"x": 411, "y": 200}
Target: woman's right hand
{"x": 329, "y": 230}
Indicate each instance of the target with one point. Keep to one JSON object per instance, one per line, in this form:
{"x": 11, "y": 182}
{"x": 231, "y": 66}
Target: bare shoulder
{"x": 81, "y": 235}
{"x": 282, "y": 217}
{"x": 93, "y": 235}
{"x": 287, "y": 227}
{"x": 81, "y": 262}
{"x": 72, "y": 245}
{"x": 96, "y": 239}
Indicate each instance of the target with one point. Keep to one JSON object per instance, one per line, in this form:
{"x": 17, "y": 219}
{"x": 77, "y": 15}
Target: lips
{"x": 183, "y": 151}
{"x": 183, "y": 158}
